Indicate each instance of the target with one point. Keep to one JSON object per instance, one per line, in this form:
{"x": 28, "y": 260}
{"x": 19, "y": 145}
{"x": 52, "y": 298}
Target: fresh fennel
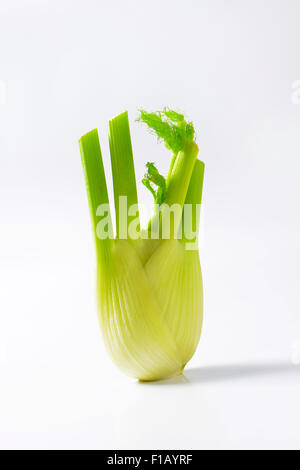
{"x": 149, "y": 286}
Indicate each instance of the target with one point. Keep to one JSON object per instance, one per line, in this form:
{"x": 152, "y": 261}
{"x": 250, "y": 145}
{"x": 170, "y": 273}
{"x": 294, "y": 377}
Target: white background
{"x": 69, "y": 66}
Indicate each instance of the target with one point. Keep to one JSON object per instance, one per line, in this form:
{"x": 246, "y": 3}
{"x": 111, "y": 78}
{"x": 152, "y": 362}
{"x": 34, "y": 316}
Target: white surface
{"x": 67, "y": 67}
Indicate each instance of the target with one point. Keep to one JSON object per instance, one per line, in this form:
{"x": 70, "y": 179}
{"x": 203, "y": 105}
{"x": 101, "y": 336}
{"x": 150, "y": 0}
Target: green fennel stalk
{"x": 149, "y": 291}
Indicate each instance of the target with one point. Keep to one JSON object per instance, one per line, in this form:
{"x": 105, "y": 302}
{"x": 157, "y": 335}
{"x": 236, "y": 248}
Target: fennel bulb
{"x": 149, "y": 283}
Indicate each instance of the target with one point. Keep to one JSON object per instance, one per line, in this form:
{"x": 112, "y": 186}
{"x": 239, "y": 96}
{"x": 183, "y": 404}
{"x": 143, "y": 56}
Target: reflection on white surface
{"x": 226, "y": 406}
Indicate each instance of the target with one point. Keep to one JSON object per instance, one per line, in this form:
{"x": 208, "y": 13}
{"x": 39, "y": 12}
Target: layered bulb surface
{"x": 149, "y": 282}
